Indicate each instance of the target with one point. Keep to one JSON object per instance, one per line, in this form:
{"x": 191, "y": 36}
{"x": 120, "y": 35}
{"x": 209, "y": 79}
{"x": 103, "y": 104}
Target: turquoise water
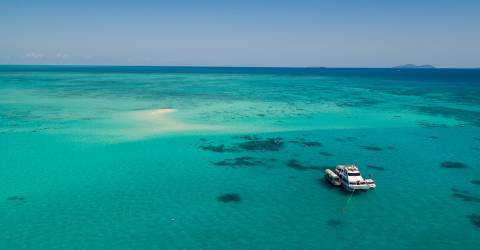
{"x": 139, "y": 158}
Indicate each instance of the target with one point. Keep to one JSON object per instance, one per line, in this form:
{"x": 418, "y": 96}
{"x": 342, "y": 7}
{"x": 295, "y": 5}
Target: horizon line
{"x": 243, "y": 66}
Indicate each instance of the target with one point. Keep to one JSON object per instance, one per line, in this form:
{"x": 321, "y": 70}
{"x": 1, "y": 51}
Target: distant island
{"x": 413, "y": 66}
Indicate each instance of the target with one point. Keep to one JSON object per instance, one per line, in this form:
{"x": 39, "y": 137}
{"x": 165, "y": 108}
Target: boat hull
{"x": 333, "y": 182}
{"x": 352, "y": 188}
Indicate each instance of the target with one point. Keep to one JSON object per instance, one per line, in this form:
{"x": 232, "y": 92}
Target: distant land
{"x": 413, "y": 66}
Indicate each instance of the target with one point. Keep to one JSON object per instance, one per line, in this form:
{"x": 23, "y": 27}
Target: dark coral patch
{"x": 241, "y": 162}
{"x": 247, "y": 137}
{"x": 475, "y": 219}
{"x": 306, "y": 143}
{"x": 230, "y": 197}
{"x": 471, "y": 117}
{"x": 475, "y": 148}
{"x": 218, "y": 149}
{"x": 475, "y": 182}
{"x": 465, "y": 197}
{"x": 295, "y": 164}
{"x": 268, "y": 144}
{"x": 292, "y": 163}
{"x": 325, "y": 154}
{"x": 452, "y": 164}
{"x": 15, "y": 198}
{"x": 375, "y": 167}
{"x": 334, "y": 222}
{"x": 372, "y": 148}
{"x": 433, "y": 137}
{"x": 391, "y": 147}
{"x": 432, "y": 125}
{"x": 252, "y": 143}
{"x": 312, "y": 144}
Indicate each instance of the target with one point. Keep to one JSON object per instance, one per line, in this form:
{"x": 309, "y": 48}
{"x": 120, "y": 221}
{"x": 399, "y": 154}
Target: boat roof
{"x": 350, "y": 168}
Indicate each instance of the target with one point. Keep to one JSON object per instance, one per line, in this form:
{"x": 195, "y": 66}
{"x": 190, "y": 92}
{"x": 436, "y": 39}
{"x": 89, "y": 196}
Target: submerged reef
{"x": 375, "y": 167}
{"x": 292, "y": 163}
{"x": 431, "y": 125}
{"x": 217, "y": 149}
{"x": 15, "y": 198}
{"x": 475, "y": 219}
{"x": 475, "y": 182}
{"x": 466, "y": 197}
{"x": 268, "y": 144}
{"x": 251, "y": 143}
{"x": 312, "y": 144}
{"x": 334, "y": 222}
{"x": 433, "y": 137}
{"x": 372, "y": 148}
{"x": 246, "y": 137}
{"x": 325, "y": 154}
{"x": 452, "y": 164}
{"x": 472, "y": 117}
{"x": 306, "y": 143}
{"x": 241, "y": 162}
{"x": 391, "y": 147}
{"x": 229, "y": 197}
{"x": 360, "y": 102}
{"x": 295, "y": 164}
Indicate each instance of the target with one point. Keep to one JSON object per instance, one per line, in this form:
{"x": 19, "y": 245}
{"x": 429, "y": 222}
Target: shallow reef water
{"x": 234, "y": 158}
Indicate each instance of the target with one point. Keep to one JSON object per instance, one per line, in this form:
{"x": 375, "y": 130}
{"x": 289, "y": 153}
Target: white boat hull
{"x": 355, "y": 187}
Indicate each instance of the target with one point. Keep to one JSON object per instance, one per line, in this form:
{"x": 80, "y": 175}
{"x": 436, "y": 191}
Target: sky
{"x": 341, "y": 33}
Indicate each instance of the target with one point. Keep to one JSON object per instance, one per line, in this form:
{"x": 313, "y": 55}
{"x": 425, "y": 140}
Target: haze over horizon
{"x": 250, "y": 33}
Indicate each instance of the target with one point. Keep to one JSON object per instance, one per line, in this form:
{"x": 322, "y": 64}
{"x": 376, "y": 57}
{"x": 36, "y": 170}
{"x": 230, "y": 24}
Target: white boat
{"x": 352, "y": 179}
{"x": 333, "y": 178}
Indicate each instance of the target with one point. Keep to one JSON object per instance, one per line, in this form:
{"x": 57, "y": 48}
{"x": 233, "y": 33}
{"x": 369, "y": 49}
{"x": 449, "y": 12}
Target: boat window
{"x": 353, "y": 174}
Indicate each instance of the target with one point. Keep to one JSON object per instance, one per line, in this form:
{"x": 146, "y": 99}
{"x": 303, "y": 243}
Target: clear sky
{"x": 356, "y": 33}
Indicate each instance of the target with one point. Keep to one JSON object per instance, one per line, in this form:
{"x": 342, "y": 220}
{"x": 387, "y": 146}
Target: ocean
{"x": 98, "y": 157}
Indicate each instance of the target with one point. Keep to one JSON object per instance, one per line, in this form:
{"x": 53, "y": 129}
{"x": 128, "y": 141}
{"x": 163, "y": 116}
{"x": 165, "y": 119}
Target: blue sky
{"x": 357, "y": 33}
